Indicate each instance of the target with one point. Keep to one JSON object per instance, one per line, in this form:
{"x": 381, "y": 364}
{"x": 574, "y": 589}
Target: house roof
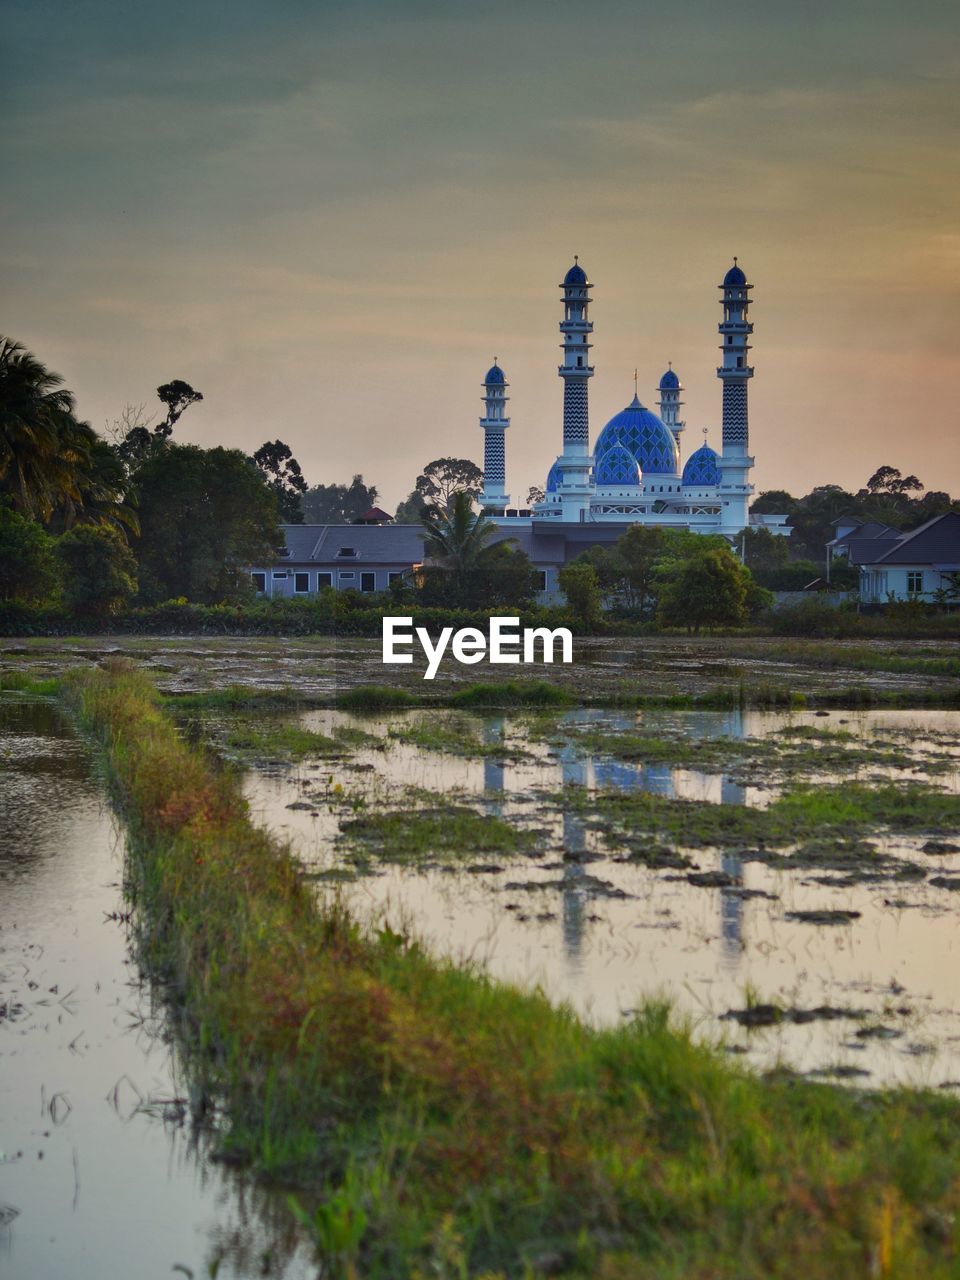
{"x": 936, "y": 542}
{"x": 375, "y": 514}
{"x": 400, "y": 544}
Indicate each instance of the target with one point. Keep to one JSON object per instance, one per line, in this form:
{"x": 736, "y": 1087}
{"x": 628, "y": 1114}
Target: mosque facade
{"x": 635, "y": 473}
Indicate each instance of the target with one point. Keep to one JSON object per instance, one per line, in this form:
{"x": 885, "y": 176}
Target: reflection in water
{"x": 107, "y": 1177}
{"x": 701, "y": 946}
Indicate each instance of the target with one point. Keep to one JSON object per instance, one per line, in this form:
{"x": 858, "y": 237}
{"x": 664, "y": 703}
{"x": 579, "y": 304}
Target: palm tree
{"x": 35, "y": 414}
{"x": 454, "y": 537}
{"x": 54, "y": 468}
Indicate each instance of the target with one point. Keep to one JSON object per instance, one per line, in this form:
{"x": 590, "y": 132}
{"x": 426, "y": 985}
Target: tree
{"x": 580, "y": 584}
{"x": 282, "y": 472}
{"x": 708, "y": 589}
{"x": 454, "y": 537}
{"x": 535, "y": 495}
{"x": 410, "y": 511}
{"x": 53, "y": 468}
{"x": 205, "y": 516}
{"x": 338, "y": 503}
{"x": 36, "y": 414}
{"x": 139, "y": 442}
{"x": 28, "y": 569}
{"x": 99, "y": 571}
{"x": 889, "y": 480}
{"x": 639, "y": 550}
{"x": 444, "y": 477}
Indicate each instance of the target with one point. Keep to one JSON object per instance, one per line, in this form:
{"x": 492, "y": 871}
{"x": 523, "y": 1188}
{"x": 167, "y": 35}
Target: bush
{"x": 99, "y": 571}
{"x": 28, "y": 568}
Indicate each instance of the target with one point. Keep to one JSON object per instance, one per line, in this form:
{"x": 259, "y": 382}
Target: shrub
{"x": 99, "y": 571}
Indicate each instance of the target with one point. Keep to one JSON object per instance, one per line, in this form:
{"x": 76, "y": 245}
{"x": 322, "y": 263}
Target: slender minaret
{"x": 734, "y": 373}
{"x": 670, "y": 403}
{"x": 494, "y": 497}
{"x": 574, "y": 463}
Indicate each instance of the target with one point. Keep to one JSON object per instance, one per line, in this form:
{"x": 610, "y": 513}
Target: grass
{"x": 17, "y": 682}
{"x": 511, "y": 693}
{"x": 440, "y": 1124}
{"x": 442, "y": 831}
{"x": 457, "y": 735}
{"x": 373, "y": 697}
{"x": 288, "y": 741}
{"x": 236, "y": 697}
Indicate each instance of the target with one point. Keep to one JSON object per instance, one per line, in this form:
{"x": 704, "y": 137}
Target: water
{"x": 704, "y": 948}
{"x": 97, "y": 1157}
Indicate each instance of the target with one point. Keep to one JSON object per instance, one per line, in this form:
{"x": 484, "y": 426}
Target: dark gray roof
{"x": 936, "y": 542}
{"x": 400, "y": 544}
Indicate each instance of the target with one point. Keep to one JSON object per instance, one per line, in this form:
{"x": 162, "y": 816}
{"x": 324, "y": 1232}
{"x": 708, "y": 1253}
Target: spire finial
{"x": 495, "y": 358}
{"x": 635, "y": 392}
{"x": 669, "y": 364}
{"x": 576, "y": 257}
{"x": 734, "y": 259}
{"x": 705, "y": 430}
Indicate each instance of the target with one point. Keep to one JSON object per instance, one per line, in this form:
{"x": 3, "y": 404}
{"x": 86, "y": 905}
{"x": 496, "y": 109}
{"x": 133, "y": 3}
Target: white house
{"x": 918, "y": 566}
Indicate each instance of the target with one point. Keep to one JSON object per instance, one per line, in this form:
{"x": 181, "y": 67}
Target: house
{"x": 368, "y": 557}
{"x": 921, "y": 565}
{"x": 362, "y": 557}
{"x": 858, "y": 541}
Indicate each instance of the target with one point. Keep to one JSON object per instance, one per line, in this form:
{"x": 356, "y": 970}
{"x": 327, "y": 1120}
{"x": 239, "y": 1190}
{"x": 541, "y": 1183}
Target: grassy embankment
{"x": 441, "y": 1124}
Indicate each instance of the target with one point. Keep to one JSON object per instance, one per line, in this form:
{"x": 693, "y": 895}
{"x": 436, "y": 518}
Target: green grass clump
{"x": 18, "y": 682}
{"x": 440, "y": 1123}
{"x": 289, "y": 741}
{"x": 373, "y": 697}
{"x": 439, "y": 832}
{"x": 448, "y": 734}
{"x": 512, "y": 693}
{"x": 235, "y": 697}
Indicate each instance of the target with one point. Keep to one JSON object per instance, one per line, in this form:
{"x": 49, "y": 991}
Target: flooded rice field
{"x": 627, "y": 668}
{"x": 789, "y": 881}
{"x": 102, "y": 1172}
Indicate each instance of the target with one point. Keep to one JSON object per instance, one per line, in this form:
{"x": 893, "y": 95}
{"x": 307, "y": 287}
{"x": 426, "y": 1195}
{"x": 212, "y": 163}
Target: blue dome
{"x": 576, "y": 275}
{"x": 648, "y": 439}
{"x": 553, "y": 478}
{"x": 702, "y": 467}
{"x": 669, "y": 381}
{"x": 494, "y": 375}
{"x": 734, "y": 279}
{"x": 616, "y": 466}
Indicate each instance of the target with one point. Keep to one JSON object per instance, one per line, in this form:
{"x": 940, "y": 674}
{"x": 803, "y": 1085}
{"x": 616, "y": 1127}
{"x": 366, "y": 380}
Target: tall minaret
{"x": 734, "y": 373}
{"x": 670, "y": 403}
{"x": 494, "y": 497}
{"x": 574, "y": 463}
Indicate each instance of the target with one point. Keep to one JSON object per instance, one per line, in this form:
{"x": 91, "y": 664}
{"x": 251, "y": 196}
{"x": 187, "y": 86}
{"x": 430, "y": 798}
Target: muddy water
{"x": 98, "y": 1158}
{"x": 650, "y": 932}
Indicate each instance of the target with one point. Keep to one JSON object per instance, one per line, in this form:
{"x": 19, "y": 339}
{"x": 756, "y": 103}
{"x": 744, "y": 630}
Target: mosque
{"x": 634, "y": 474}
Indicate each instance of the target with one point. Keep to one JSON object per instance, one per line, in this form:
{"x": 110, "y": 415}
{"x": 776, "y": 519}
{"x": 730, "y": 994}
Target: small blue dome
{"x": 494, "y": 376}
{"x": 734, "y": 279}
{"x": 616, "y": 466}
{"x": 553, "y": 478}
{"x": 702, "y": 467}
{"x": 576, "y": 275}
{"x": 669, "y": 381}
{"x": 649, "y": 440}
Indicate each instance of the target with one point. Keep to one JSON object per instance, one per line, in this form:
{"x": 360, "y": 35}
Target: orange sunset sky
{"x": 329, "y": 218}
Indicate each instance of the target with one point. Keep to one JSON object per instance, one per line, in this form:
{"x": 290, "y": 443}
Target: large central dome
{"x": 649, "y": 440}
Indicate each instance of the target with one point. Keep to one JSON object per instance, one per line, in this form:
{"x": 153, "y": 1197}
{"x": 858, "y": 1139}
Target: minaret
{"x": 494, "y": 497}
{"x": 670, "y": 403}
{"x": 734, "y": 373}
{"x": 574, "y": 463}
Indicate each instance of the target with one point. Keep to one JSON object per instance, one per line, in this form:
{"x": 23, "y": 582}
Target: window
{"x": 394, "y": 574}
{"x": 541, "y": 579}
{"x": 368, "y": 582}
{"x": 345, "y": 552}
{"x": 739, "y": 362}
{"x": 301, "y": 583}
{"x": 259, "y": 582}
{"x": 324, "y": 580}
{"x": 915, "y": 582}
{"x": 345, "y": 577}
{"x": 280, "y": 575}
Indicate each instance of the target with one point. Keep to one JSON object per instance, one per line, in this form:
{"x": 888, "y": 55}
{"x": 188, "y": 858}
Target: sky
{"x": 330, "y": 217}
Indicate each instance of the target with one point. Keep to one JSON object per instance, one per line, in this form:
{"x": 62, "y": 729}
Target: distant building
{"x": 361, "y": 557}
{"x": 634, "y": 473}
{"x": 917, "y": 566}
